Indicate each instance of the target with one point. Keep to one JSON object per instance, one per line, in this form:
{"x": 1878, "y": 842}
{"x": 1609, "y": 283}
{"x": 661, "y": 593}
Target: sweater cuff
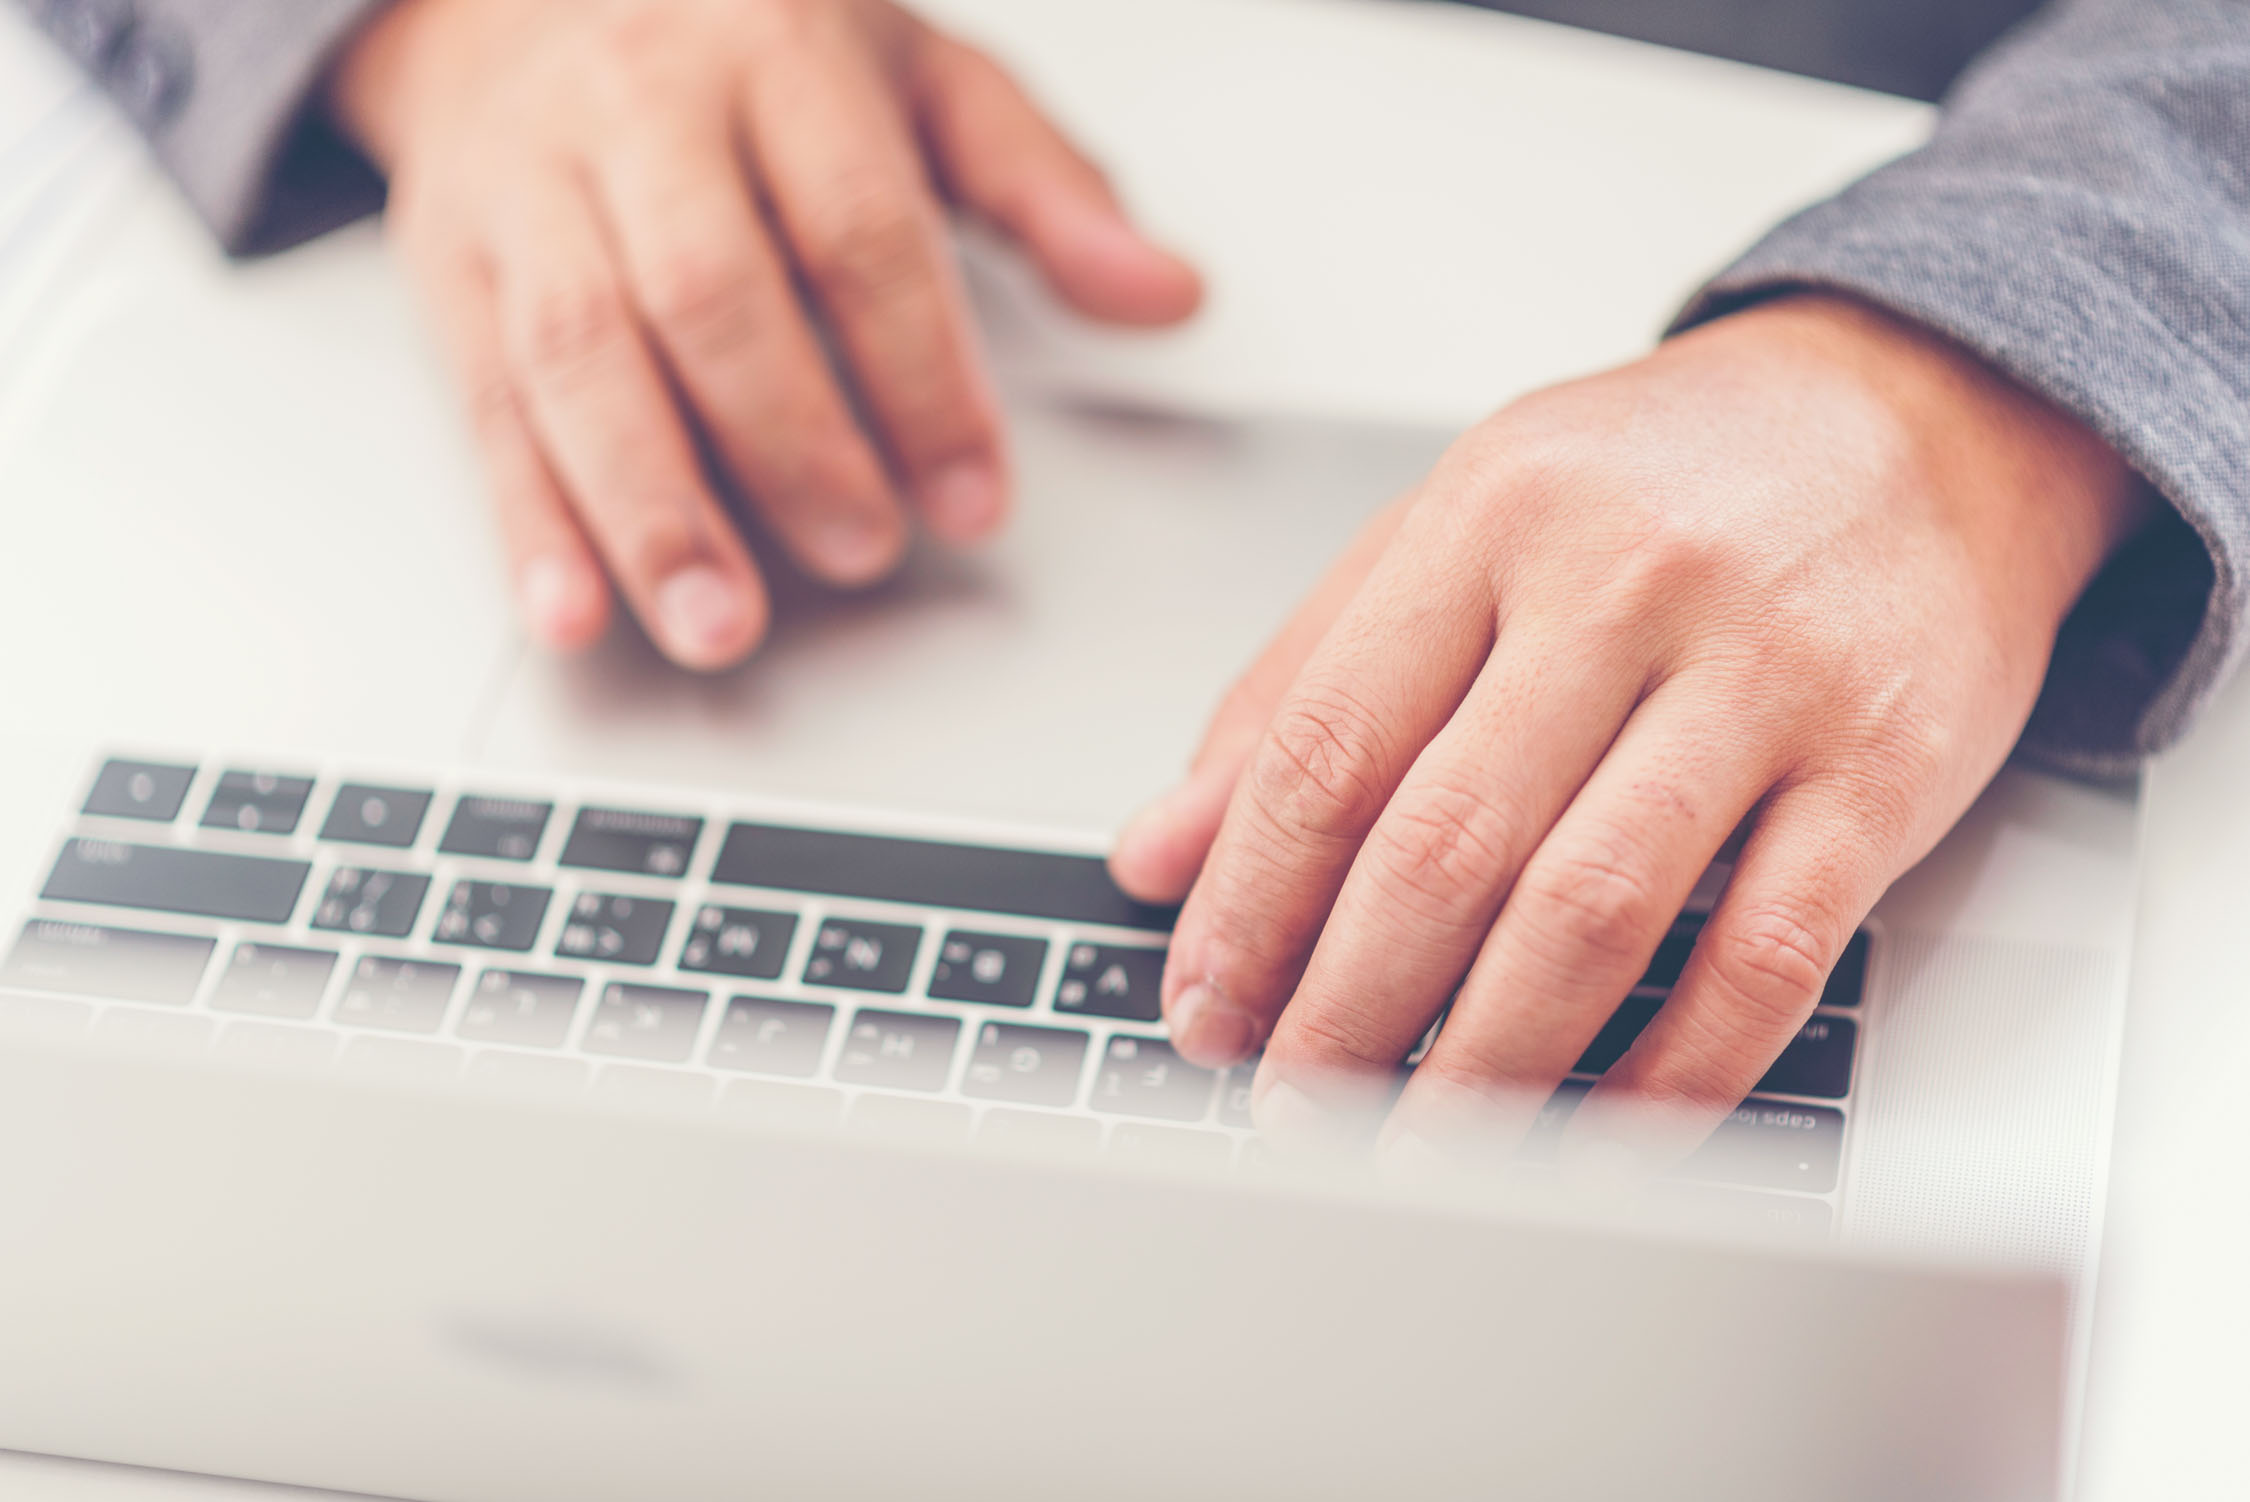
{"x": 223, "y": 90}
{"x": 2004, "y": 269}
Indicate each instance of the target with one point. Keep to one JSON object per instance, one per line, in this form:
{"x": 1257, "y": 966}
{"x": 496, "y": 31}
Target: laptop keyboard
{"x": 661, "y": 953}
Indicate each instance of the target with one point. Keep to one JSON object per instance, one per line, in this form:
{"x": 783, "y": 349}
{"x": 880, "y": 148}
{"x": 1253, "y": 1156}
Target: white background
{"x": 1411, "y": 211}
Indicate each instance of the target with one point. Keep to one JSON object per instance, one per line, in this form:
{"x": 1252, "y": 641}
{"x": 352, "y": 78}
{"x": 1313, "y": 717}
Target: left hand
{"x": 1797, "y": 572}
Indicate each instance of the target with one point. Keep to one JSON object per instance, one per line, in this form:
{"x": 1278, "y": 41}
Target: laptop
{"x": 474, "y": 1076}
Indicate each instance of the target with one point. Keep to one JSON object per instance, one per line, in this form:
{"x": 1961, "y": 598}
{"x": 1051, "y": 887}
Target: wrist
{"x": 2027, "y": 485}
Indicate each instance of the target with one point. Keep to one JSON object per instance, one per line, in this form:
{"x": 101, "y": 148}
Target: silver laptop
{"x": 667, "y": 1088}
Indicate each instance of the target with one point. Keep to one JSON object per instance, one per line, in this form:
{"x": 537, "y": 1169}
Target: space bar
{"x": 931, "y": 873}
{"x": 168, "y": 879}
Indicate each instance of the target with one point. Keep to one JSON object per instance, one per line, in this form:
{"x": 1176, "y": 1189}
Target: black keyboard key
{"x": 1144, "y": 1077}
{"x": 863, "y": 956}
{"x": 273, "y": 980}
{"x": 365, "y": 815}
{"x": 1627, "y": 1023}
{"x": 1000, "y": 970}
{"x": 521, "y": 1008}
{"x": 646, "y": 1022}
{"x": 750, "y": 942}
{"x": 618, "y": 839}
{"x": 929, "y": 873}
{"x": 1763, "y": 1144}
{"x": 363, "y": 901}
{"x": 1110, "y": 980}
{"x": 168, "y": 879}
{"x": 257, "y": 803}
{"x": 1547, "y": 1128}
{"x": 1818, "y": 1061}
{"x": 139, "y": 790}
{"x": 620, "y": 930}
{"x": 1028, "y": 1066}
{"x": 492, "y": 915}
{"x": 762, "y": 1036}
{"x": 1770, "y": 1144}
{"x": 121, "y": 964}
{"x": 1672, "y": 954}
{"x": 898, "y": 1050}
{"x": 507, "y": 829}
{"x": 403, "y": 996}
{"x": 1849, "y": 978}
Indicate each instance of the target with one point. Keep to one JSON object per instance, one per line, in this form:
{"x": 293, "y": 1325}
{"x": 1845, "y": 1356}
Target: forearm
{"x": 2082, "y": 222}
{"x": 221, "y": 89}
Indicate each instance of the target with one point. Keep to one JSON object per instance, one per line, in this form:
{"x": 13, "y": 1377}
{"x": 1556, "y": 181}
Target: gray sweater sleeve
{"x": 2081, "y": 219}
{"x": 221, "y": 89}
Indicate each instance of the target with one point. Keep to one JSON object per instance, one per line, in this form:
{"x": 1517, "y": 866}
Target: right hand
{"x": 632, "y": 219}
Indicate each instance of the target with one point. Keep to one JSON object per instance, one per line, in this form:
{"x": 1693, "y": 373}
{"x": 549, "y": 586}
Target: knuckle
{"x": 1771, "y": 962}
{"x": 491, "y": 400}
{"x": 1464, "y": 1067}
{"x": 1595, "y": 897}
{"x": 634, "y": 59}
{"x": 1701, "y": 1074}
{"x": 699, "y": 299}
{"x": 1666, "y": 553}
{"x": 1330, "y": 1038}
{"x": 569, "y": 326}
{"x": 866, "y": 243}
{"x": 1318, "y": 772}
{"x": 1446, "y": 844}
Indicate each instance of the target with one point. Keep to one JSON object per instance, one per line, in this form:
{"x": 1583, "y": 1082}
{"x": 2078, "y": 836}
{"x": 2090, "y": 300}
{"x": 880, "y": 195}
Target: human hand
{"x": 631, "y": 216}
{"x": 1798, "y": 572}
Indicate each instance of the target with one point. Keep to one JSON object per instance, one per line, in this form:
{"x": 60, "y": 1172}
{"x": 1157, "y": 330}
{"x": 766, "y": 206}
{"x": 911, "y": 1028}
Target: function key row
{"x": 821, "y": 862}
{"x": 491, "y": 828}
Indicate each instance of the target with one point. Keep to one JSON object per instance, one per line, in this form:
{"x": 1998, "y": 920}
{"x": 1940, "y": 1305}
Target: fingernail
{"x": 964, "y": 498}
{"x": 550, "y": 592}
{"x": 1105, "y": 227}
{"x": 855, "y": 547}
{"x": 1289, "y": 1118}
{"x": 1411, "y": 1158}
{"x": 701, "y": 615}
{"x": 1210, "y": 1030}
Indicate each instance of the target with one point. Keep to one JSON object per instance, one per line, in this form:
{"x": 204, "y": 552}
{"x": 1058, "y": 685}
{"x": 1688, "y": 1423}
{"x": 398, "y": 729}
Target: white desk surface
{"x": 1408, "y": 212}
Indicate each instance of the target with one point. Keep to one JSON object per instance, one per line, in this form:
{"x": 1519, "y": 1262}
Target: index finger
{"x": 1382, "y": 682}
